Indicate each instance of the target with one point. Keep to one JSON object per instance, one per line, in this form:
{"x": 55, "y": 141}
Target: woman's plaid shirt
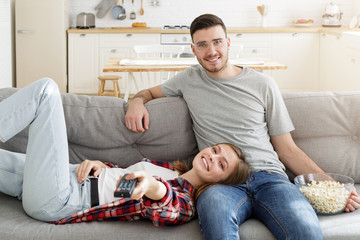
{"x": 175, "y": 208}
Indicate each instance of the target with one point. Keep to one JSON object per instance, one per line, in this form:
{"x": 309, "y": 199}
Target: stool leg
{"x": 117, "y": 89}
{"x": 101, "y": 88}
{"x": 114, "y": 86}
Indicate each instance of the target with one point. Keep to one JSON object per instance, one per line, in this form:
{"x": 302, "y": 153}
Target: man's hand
{"x": 83, "y": 170}
{"x": 353, "y": 202}
{"x": 137, "y": 116}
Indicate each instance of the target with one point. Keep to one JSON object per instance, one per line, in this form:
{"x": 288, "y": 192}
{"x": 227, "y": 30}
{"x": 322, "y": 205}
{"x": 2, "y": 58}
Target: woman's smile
{"x": 205, "y": 163}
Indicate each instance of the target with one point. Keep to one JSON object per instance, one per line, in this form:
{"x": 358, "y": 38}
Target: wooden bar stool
{"x": 107, "y": 92}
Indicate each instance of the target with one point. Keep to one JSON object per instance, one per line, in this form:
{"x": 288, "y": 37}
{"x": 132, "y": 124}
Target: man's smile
{"x": 213, "y": 59}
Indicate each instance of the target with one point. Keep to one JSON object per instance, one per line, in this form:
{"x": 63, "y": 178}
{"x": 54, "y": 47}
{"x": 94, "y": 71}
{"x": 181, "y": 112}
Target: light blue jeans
{"x": 43, "y": 177}
{"x": 269, "y": 197}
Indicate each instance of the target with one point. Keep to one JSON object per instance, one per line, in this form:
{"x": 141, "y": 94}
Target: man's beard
{"x": 215, "y": 70}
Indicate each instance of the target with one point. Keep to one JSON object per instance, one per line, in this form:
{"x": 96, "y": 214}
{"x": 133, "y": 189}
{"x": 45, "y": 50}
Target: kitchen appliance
{"x": 41, "y": 41}
{"x": 85, "y": 20}
{"x": 183, "y": 39}
{"x": 332, "y": 16}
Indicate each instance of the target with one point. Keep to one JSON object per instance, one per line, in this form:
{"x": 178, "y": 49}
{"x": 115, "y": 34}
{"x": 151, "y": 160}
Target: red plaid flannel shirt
{"x": 177, "y": 206}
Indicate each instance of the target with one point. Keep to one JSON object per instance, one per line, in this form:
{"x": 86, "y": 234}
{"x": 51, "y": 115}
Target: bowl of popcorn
{"x": 328, "y": 193}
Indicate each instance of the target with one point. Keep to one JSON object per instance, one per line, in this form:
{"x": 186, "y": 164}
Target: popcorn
{"x": 326, "y": 197}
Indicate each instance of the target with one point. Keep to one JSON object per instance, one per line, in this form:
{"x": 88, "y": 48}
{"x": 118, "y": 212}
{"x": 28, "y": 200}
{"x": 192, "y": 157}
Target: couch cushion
{"x": 96, "y": 130}
{"x": 15, "y": 224}
{"x": 327, "y": 128}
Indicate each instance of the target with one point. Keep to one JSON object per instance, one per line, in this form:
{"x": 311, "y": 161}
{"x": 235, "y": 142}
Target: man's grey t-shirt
{"x": 243, "y": 110}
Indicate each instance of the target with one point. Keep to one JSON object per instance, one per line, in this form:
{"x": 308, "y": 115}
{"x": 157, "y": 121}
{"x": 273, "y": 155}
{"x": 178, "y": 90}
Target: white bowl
{"x": 328, "y": 193}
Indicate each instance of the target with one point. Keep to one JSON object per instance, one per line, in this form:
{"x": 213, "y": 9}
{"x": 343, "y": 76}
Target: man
{"x": 243, "y": 107}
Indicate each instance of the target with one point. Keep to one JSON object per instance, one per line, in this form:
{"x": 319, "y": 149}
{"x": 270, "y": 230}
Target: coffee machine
{"x": 332, "y": 16}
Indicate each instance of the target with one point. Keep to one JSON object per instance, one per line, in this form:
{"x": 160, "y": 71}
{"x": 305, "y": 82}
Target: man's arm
{"x": 137, "y": 117}
{"x": 299, "y": 163}
{"x": 292, "y": 156}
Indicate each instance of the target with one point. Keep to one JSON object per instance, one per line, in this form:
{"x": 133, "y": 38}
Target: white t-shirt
{"x": 109, "y": 177}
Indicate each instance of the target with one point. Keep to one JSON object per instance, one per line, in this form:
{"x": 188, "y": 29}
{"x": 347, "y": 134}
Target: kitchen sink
{"x": 351, "y": 39}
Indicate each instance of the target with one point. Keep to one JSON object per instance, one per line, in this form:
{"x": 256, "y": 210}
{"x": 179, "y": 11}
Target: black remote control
{"x": 125, "y": 187}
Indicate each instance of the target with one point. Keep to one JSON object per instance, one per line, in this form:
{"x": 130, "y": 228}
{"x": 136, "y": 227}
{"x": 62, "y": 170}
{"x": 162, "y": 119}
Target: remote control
{"x": 125, "y": 187}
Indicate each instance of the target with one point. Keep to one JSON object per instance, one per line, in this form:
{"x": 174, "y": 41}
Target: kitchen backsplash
{"x": 235, "y": 13}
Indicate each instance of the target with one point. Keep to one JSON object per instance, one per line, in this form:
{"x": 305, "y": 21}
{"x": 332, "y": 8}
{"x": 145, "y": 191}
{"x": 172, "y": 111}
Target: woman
{"x": 52, "y": 189}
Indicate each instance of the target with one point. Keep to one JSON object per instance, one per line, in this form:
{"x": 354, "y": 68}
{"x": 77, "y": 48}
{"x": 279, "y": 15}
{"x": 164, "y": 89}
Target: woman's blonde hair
{"x": 238, "y": 176}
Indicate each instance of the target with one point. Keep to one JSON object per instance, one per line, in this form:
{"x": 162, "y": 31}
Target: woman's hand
{"x": 353, "y": 202}
{"x": 147, "y": 185}
{"x": 83, "y": 170}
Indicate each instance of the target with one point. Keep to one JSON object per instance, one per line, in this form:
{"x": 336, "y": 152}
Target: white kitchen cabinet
{"x": 256, "y": 45}
{"x": 83, "y": 56}
{"x": 351, "y": 72}
{"x": 339, "y": 65}
{"x": 88, "y": 54}
{"x": 113, "y": 52}
{"x": 121, "y": 46}
{"x": 300, "y": 53}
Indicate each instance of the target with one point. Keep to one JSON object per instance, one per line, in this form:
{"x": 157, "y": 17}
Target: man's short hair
{"x": 206, "y": 21}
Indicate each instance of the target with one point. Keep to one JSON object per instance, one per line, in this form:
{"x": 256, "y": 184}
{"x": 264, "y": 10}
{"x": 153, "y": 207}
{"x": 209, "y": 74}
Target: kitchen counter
{"x": 337, "y": 31}
{"x": 328, "y": 30}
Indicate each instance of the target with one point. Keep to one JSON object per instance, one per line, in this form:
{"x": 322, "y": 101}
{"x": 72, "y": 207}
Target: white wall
{"x": 235, "y": 13}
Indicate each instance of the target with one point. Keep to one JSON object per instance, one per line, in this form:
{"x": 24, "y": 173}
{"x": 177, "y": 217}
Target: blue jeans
{"x": 43, "y": 177}
{"x": 267, "y": 196}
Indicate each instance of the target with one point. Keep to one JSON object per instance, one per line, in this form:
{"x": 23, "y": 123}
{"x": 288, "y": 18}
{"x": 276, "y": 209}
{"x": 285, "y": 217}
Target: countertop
{"x": 328, "y": 30}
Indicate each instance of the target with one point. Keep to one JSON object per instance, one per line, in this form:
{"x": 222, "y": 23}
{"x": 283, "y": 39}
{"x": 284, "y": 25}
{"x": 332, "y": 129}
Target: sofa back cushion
{"x": 96, "y": 130}
{"x": 327, "y": 128}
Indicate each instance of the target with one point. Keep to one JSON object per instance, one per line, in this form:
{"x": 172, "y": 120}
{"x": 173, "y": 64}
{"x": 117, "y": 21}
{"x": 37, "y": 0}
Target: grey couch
{"x": 327, "y": 128}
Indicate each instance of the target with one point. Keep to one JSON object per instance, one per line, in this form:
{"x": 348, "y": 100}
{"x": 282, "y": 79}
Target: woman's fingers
{"x": 83, "y": 170}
